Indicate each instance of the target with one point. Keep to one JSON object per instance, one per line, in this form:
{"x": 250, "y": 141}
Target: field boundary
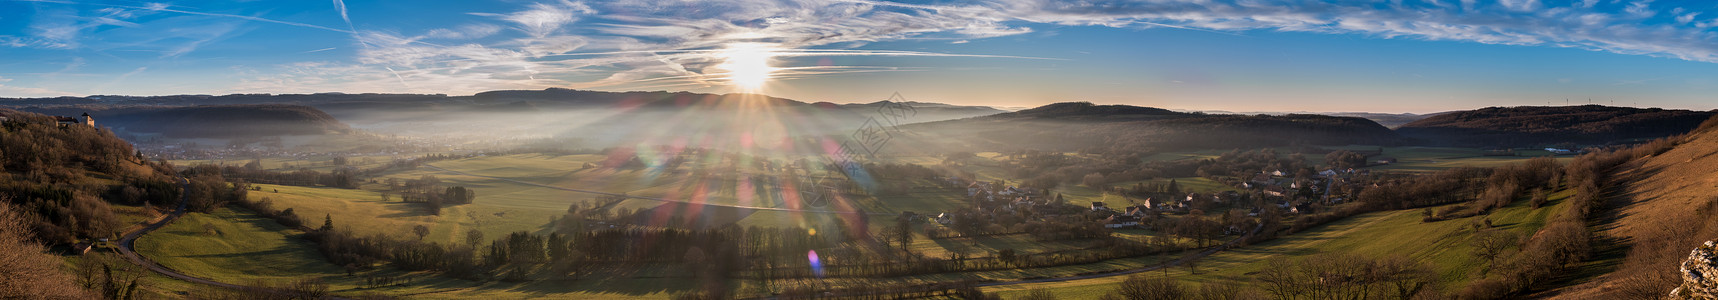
{"x": 654, "y": 198}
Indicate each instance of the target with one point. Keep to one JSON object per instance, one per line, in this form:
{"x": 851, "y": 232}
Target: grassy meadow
{"x": 1444, "y": 245}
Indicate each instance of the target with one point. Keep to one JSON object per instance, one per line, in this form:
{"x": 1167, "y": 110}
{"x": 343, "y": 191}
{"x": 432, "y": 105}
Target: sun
{"x": 747, "y": 64}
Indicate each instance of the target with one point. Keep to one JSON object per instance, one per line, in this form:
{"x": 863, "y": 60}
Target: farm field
{"x": 237, "y": 246}
{"x": 528, "y": 197}
{"x": 1443, "y": 244}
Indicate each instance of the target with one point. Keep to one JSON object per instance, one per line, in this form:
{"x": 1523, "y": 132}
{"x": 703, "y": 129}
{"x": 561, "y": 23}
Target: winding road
{"x": 126, "y": 245}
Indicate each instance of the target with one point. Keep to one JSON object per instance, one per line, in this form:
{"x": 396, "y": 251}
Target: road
{"x": 1172, "y": 263}
{"x": 126, "y": 243}
{"x": 655, "y": 198}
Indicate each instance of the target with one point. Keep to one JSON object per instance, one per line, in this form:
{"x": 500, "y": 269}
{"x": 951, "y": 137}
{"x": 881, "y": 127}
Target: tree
{"x": 473, "y": 238}
{"x": 1139, "y": 287}
{"x": 1489, "y": 244}
{"x": 327, "y": 223}
{"x": 1038, "y": 294}
{"x": 1539, "y": 198}
{"x": 904, "y": 231}
{"x": 420, "y": 231}
{"x": 1094, "y": 180}
{"x": 1343, "y": 159}
{"x": 694, "y": 260}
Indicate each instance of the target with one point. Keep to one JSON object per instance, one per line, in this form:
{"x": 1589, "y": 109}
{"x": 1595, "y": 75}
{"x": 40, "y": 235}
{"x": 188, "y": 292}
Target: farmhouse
{"x": 1121, "y": 221}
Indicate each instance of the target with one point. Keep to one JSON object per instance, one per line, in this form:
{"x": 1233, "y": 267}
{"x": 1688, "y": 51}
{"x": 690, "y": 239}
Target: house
{"x": 1121, "y": 221}
{"x": 1099, "y": 206}
{"x": 82, "y": 248}
{"x": 1138, "y": 211}
{"x": 1262, "y": 179}
{"x": 1559, "y": 151}
{"x": 65, "y": 121}
{"x": 944, "y": 218}
{"x": 1327, "y": 173}
{"x": 1303, "y": 208}
{"x": 1386, "y": 160}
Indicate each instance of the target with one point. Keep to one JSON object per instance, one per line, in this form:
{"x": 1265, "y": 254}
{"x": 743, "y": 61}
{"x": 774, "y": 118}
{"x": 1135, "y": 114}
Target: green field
{"x": 1442, "y": 244}
{"x": 505, "y": 206}
{"x": 235, "y": 246}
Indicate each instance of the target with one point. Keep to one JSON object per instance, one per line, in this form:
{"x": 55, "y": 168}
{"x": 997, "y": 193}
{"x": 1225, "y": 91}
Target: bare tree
{"x": 1489, "y": 244}
{"x": 473, "y": 238}
{"x": 420, "y": 231}
{"x": 1140, "y": 287}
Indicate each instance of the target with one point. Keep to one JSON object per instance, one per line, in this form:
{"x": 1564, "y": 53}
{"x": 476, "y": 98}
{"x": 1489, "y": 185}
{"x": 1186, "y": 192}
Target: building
{"x": 1121, "y": 221}
{"x": 68, "y": 121}
{"x": 1099, "y": 206}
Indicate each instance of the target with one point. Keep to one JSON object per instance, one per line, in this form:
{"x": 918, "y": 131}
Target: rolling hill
{"x": 1662, "y": 209}
{"x": 211, "y": 121}
{"x": 599, "y": 119}
{"x": 1079, "y": 125}
{"x": 1532, "y": 126}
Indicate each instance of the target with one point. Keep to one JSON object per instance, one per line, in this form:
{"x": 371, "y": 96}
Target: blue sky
{"x": 1240, "y": 55}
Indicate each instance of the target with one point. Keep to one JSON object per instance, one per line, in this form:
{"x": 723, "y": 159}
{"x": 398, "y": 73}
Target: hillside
{"x": 595, "y": 118}
{"x": 1663, "y": 209}
{"x": 67, "y": 177}
{"x": 1533, "y": 126}
{"x": 1078, "y": 125}
{"x": 930, "y": 112}
{"x": 209, "y": 121}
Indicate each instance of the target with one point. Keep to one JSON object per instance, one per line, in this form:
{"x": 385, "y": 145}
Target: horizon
{"x": 1001, "y": 108}
{"x": 1413, "y": 57}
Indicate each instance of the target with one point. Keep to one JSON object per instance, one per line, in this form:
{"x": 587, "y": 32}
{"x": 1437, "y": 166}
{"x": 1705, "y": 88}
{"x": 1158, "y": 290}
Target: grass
{"x": 1443, "y": 245}
{"x": 233, "y": 246}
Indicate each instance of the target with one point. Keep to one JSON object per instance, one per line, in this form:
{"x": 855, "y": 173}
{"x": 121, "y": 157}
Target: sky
{"x": 1236, "y": 55}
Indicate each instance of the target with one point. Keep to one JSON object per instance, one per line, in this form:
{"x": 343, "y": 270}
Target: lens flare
{"x": 748, "y": 64}
{"x": 816, "y": 264}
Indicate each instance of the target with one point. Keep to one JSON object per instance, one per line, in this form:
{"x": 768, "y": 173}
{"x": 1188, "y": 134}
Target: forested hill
{"x": 1085, "y": 126}
{"x": 211, "y": 121}
{"x": 1531, "y": 126}
{"x": 64, "y": 177}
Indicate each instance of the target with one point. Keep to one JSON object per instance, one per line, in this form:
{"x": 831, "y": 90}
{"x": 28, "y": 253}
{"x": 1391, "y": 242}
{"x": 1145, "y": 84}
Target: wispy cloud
{"x": 16, "y": 91}
{"x": 650, "y": 43}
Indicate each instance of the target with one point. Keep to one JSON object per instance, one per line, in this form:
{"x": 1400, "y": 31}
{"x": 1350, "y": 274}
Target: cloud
{"x": 17, "y": 91}
{"x": 543, "y": 19}
{"x": 469, "y": 31}
{"x": 654, "y": 43}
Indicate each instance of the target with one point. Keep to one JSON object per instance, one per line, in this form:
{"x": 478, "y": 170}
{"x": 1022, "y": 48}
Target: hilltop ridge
{"x": 1529, "y": 126}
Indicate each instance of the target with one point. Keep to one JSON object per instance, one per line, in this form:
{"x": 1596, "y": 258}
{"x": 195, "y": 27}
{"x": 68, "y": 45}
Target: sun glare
{"x": 748, "y": 64}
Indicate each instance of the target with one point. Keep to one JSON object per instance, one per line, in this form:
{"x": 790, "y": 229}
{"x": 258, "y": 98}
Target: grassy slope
{"x": 233, "y": 246}
{"x": 245, "y": 248}
{"x": 1442, "y": 244}
{"x": 1660, "y": 189}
